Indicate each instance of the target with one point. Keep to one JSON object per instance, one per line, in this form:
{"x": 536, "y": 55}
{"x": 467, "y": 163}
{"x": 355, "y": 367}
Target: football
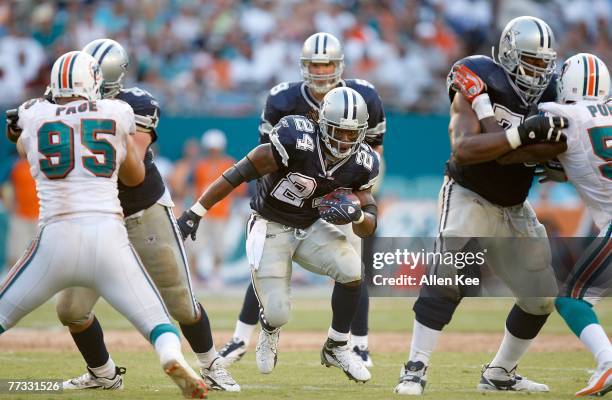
{"x": 339, "y": 206}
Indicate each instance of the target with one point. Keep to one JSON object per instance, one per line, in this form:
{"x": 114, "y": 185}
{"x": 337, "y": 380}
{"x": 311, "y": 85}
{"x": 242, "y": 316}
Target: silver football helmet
{"x": 532, "y": 38}
{"x": 322, "y": 48}
{"x": 113, "y": 61}
{"x": 343, "y": 121}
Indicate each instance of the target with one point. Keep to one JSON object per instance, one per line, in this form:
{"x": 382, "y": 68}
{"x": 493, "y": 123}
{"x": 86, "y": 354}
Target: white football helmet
{"x": 343, "y": 109}
{"x": 113, "y": 61}
{"x": 528, "y": 37}
{"x": 583, "y": 77}
{"x": 322, "y": 48}
{"x": 76, "y": 74}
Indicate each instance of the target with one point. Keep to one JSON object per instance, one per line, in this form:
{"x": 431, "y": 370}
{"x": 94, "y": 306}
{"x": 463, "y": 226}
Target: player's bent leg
{"x": 74, "y": 310}
{"x": 130, "y": 290}
{"x": 157, "y": 241}
{"x": 236, "y": 347}
{"x": 269, "y": 250}
{"x": 327, "y": 251}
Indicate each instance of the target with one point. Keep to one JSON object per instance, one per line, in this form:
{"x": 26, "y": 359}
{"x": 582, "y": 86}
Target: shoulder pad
{"x": 145, "y": 106}
{"x": 283, "y": 95}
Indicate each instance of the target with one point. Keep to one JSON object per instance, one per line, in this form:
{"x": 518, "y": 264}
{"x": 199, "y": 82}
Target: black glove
{"x": 12, "y": 130}
{"x": 339, "y": 209}
{"x": 550, "y": 171}
{"x": 188, "y": 224}
{"x": 540, "y": 128}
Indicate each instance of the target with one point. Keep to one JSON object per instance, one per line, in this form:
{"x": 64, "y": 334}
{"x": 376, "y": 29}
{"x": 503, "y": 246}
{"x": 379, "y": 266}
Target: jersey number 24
{"x": 56, "y": 143}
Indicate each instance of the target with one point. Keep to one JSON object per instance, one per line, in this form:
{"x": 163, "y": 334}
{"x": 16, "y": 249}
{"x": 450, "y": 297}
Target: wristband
{"x": 198, "y": 209}
{"x": 513, "y": 137}
{"x": 361, "y": 218}
{"x": 482, "y": 106}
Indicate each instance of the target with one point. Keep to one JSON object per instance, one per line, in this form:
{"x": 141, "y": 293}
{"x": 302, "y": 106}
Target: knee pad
{"x": 435, "y": 312}
{"x": 577, "y": 313}
{"x": 536, "y": 305}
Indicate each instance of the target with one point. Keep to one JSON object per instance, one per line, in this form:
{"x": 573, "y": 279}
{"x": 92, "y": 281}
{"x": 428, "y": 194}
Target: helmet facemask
{"x": 344, "y": 139}
{"x": 322, "y": 83}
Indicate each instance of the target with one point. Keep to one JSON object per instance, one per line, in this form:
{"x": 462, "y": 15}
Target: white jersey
{"x": 74, "y": 151}
{"x": 587, "y": 161}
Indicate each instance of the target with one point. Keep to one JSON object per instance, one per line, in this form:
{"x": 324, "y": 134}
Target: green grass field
{"x": 452, "y": 375}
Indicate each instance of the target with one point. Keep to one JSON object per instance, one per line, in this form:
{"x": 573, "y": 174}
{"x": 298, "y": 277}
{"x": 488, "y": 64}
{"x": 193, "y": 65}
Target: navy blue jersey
{"x": 293, "y": 98}
{"x": 290, "y": 195}
{"x": 504, "y": 185}
{"x": 143, "y": 196}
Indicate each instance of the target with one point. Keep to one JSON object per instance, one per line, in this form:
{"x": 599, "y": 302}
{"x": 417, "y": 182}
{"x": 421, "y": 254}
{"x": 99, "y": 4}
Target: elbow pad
{"x": 242, "y": 171}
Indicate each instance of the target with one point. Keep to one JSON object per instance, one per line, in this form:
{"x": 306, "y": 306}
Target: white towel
{"x": 255, "y": 242}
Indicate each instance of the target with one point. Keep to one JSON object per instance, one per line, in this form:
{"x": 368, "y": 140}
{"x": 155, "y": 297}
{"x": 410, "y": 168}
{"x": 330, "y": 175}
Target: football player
{"x": 322, "y": 64}
{"x": 491, "y": 101}
{"x": 301, "y": 165}
{"x": 77, "y": 147}
{"x": 583, "y": 88}
{"x": 153, "y": 233}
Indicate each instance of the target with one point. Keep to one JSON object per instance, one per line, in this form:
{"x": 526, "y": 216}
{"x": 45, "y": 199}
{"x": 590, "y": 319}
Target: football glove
{"x": 12, "y": 130}
{"x": 537, "y": 129}
{"x": 550, "y": 171}
{"x": 188, "y": 224}
{"x": 339, "y": 209}
{"x": 465, "y": 81}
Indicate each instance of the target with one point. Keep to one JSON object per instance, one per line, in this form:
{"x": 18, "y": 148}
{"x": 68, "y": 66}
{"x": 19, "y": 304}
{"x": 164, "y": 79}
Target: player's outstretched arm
{"x": 259, "y": 162}
{"x": 366, "y": 225}
{"x": 132, "y": 170}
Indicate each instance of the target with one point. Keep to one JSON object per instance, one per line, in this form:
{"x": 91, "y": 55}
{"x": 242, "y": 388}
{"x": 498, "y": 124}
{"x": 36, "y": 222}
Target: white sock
{"x": 168, "y": 347}
{"x": 595, "y": 339}
{"x": 424, "y": 341}
{"x": 359, "y": 341}
{"x": 105, "y": 371}
{"x": 510, "y": 351}
{"x": 337, "y": 336}
{"x": 206, "y": 359}
{"x": 244, "y": 331}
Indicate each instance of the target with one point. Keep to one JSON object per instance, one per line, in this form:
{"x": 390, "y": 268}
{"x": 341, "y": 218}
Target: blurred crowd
{"x": 221, "y": 56}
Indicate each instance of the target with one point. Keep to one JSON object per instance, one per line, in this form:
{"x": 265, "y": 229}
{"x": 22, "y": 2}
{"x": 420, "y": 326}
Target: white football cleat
{"x": 600, "y": 382}
{"x": 192, "y": 386}
{"x": 266, "y": 352}
{"x": 338, "y": 354}
{"x": 499, "y": 379}
{"x": 89, "y": 380}
{"x": 217, "y": 377}
{"x": 233, "y": 351}
{"x": 413, "y": 378}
